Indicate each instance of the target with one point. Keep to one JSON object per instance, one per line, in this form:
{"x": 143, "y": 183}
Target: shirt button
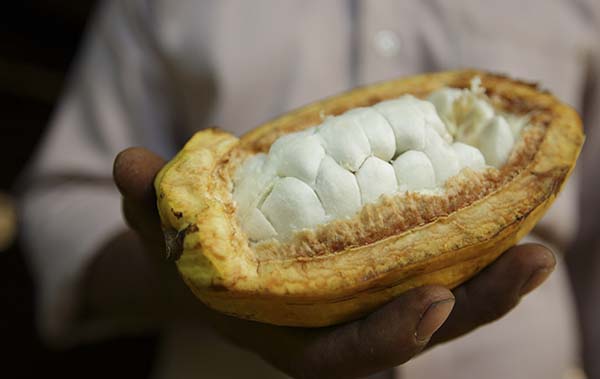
{"x": 387, "y": 43}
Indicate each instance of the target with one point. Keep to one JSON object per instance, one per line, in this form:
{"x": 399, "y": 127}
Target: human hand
{"x": 393, "y": 334}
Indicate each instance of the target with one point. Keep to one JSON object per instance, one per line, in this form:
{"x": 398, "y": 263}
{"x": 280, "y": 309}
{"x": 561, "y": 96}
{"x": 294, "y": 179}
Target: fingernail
{"x": 536, "y": 278}
{"x": 433, "y": 318}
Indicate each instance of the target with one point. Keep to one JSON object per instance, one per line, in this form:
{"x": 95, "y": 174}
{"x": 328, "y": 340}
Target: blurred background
{"x": 38, "y": 41}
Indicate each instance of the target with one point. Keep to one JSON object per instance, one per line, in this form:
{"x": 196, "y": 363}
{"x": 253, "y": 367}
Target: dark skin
{"x": 390, "y": 336}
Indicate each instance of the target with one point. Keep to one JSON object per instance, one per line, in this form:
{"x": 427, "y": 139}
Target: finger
{"x": 386, "y": 338}
{"x": 134, "y": 171}
{"x": 497, "y": 289}
{"x": 146, "y": 223}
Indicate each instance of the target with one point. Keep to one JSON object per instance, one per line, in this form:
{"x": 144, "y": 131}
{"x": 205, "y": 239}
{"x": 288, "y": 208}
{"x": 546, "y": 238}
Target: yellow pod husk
{"x": 345, "y": 270}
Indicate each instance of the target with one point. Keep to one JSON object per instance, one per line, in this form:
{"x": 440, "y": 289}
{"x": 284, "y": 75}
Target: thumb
{"x": 386, "y": 338}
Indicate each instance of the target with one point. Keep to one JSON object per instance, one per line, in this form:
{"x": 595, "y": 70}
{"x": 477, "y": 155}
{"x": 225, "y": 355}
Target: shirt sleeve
{"x": 118, "y": 96}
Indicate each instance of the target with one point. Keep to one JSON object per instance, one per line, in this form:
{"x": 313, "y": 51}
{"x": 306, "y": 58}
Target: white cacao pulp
{"x": 330, "y": 171}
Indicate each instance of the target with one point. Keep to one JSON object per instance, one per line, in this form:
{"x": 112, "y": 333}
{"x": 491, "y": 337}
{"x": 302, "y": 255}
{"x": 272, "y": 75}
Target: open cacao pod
{"x": 307, "y": 265}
